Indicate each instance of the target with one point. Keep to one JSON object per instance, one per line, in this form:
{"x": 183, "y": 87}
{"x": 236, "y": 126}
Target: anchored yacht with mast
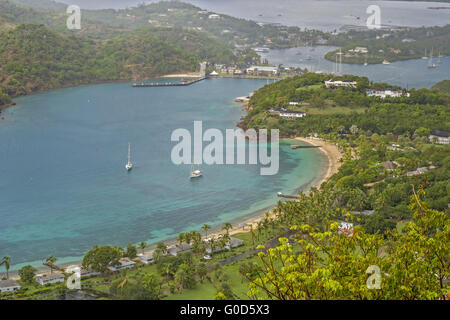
{"x": 129, "y": 165}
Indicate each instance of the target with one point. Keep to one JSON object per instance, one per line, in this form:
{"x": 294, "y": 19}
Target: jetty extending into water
{"x": 287, "y": 196}
{"x": 182, "y": 83}
{"x": 304, "y": 147}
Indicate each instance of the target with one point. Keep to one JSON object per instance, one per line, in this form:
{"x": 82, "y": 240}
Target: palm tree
{"x": 181, "y": 238}
{"x": 227, "y": 227}
{"x": 162, "y": 247}
{"x": 142, "y": 246}
{"x": 49, "y": 262}
{"x": 252, "y": 233}
{"x": 205, "y": 228}
{"x": 7, "y": 262}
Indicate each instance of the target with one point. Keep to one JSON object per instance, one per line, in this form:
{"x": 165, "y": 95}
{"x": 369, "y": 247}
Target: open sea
{"x": 64, "y": 188}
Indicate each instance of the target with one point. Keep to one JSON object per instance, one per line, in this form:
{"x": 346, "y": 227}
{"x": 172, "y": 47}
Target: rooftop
{"x": 8, "y": 283}
{"x": 439, "y": 133}
{"x": 51, "y": 276}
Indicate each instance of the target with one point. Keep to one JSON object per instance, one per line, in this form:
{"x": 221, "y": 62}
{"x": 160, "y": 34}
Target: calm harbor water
{"x": 409, "y": 73}
{"x": 64, "y": 188}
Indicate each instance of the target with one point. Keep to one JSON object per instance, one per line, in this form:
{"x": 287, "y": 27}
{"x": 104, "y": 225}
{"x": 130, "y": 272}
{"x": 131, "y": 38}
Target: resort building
{"x": 382, "y": 93}
{"x": 44, "y": 279}
{"x": 345, "y": 84}
{"x": 440, "y": 137}
{"x": 214, "y": 16}
{"x": 146, "y": 258}
{"x": 294, "y": 103}
{"x": 9, "y": 286}
{"x": 292, "y": 114}
{"x": 123, "y": 264}
{"x": 262, "y": 70}
{"x": 86, "y": 273}
{"x": 174, "y": 250}
{"x": 233, "y": 243}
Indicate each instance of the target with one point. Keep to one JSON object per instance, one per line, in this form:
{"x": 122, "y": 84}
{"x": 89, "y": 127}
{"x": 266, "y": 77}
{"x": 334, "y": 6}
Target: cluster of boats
{"x": 431, "y": 64}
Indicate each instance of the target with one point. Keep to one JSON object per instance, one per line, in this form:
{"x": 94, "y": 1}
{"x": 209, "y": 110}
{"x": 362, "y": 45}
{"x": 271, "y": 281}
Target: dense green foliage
{"x": 443, "y": 86}
{"x": 399, "y": 116}
{"x": 402, "y": 44}
{"x": 34, "y": 58}
{"x": 327, "y": 264}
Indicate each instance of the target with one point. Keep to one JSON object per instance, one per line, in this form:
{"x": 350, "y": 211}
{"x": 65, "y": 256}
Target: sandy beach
{"x": 243, "y": 225}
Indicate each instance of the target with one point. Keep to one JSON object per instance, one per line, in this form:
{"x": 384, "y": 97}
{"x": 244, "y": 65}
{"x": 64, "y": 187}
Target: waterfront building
{"x": 262, "y": 70}
{"x": 146, "y": 258}
{"x": 123, "y": 264}
{"x": 44, "y": 279}
{"x": 9, "y": 286}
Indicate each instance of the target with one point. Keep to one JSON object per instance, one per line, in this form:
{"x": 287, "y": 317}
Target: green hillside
{"x": 33, "y": 58}
{"x": 443, "y": 86}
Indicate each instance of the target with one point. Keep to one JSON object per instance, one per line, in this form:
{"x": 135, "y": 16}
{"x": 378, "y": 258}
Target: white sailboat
{"x": 430, "y": 62}
{"x": 425, "y": 57}
{"x": 129, "y": 165}
{"x": 195, "y": 173}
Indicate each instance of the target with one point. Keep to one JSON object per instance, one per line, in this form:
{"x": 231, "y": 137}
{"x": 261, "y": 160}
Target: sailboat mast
{"x": 129, "y": 152}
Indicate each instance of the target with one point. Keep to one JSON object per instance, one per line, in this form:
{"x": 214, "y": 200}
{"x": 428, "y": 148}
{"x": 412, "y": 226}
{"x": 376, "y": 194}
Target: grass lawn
{"x": 330, "y": 110}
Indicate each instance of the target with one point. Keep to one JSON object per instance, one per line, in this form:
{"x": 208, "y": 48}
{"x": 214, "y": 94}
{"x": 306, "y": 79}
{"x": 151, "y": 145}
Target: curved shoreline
{"x": 241, "y": 224}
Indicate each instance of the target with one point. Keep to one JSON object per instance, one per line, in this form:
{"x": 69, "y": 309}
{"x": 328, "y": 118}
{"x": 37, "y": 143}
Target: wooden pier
{"x": 287, "y": 196}
{"x": 304, "y": 147}
{"x": 167, "y": 84}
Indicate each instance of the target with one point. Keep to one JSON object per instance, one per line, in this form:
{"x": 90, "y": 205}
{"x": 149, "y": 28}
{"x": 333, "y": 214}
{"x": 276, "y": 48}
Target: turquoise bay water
{"x": 64, "y": 188}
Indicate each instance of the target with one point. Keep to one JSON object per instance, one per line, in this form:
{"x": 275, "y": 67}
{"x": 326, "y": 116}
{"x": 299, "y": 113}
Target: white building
{"x": 214, "y": 16}
{"x": 345, "y": 84}
{"x": 146, "y": 258}
{"x": 214, "y": 74}
{"x": 123, "y": 264}
{"x": 441, "y": 137}
{"x": 9, "y": 286}
{"x": 262, "y": 70}
{"x": 294, "y": 103}
{"x": 292, "y": 114}
{"x": 44, "y": 279}
{"x": 174, "y": 250}
{"x": 382, "y": 93}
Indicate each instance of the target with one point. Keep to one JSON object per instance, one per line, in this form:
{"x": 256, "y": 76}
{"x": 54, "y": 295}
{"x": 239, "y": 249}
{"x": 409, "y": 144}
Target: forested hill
{"x": 34, "y": 58}
{"x": 331, "y": 112}
{"x": 443, "y": 86}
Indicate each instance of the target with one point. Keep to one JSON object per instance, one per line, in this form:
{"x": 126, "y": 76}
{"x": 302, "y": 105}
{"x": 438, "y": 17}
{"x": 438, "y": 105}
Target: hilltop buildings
{"x": 336, "y": 84}
{"x": 384, "y": 93}
{"x": 440, "y": 137}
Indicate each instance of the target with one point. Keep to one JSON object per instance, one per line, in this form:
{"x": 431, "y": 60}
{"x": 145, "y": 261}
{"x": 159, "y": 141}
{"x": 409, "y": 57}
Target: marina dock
{"x": 167, "y": 84}
{"x": 287, "y": 196}
{"x": 304, "y": 147}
